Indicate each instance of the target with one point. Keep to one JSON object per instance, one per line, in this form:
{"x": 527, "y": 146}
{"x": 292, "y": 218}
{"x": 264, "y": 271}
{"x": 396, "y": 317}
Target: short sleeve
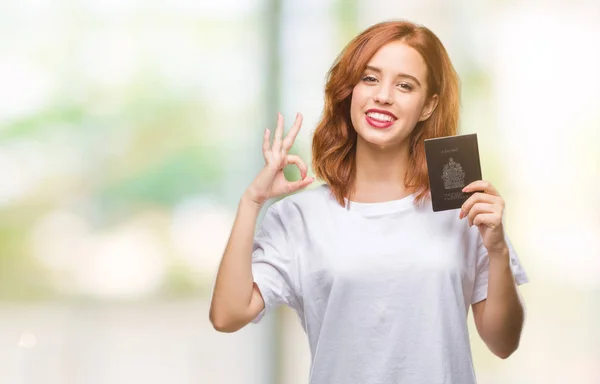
{"x": 480, "y": 285}
{"x": 273, "y": 263}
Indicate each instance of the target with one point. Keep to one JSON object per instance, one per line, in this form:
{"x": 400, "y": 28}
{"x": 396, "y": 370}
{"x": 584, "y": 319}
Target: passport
{"x": 452, "y": 163}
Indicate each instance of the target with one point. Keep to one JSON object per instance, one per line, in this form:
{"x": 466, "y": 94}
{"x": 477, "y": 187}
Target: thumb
{"x": 299, "y": 184}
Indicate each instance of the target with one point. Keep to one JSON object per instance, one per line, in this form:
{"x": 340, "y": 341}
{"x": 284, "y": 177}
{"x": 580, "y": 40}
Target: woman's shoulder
{"x": 313, "y": 199}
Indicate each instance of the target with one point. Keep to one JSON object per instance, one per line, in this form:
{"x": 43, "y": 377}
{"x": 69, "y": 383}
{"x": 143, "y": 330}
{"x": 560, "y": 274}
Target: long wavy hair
{"x": 334, "y": 140}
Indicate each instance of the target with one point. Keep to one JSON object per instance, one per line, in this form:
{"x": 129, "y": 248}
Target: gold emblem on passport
{"x": 453, "y": 175}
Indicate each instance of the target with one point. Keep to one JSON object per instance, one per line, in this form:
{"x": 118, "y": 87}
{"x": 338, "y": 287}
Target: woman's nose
{"x": 383, "y": 95}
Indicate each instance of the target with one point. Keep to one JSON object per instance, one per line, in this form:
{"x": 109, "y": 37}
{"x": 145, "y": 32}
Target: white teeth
{"x": 380, "y": 117}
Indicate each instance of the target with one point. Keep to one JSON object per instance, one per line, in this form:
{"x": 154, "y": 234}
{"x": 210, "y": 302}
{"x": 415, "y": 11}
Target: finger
{"x": 487, "y": 219}
{"x": 266, "y": 146}
{"x": 299, "y": 184}
{"x": 291, "y": 136}
{"x": 478, "y": 209}
{"x": 476, "y": 198}
{"x": 481, "y": 185}
{"x": 278, "y": 134}
{"x": 294, "y": 159}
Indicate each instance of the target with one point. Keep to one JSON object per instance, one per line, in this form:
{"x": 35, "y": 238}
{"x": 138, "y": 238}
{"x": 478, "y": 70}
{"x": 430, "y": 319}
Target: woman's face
{"x": 391, "y": 96}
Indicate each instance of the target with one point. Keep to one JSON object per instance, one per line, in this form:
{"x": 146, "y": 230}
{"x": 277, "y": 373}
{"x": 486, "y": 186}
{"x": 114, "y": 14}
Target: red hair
{"x": 334, "y": 140}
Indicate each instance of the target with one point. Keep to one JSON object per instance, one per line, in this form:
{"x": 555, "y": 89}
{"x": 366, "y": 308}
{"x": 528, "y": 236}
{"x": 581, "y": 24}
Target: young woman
{"x": 382, "y": 284}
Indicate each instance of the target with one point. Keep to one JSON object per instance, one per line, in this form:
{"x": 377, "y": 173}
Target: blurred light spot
{"x": 126, "y": 263}
{"x": 26, "y": 163}
{"x": 121, "y": 48}
{"x": 57, "y": 238}
{"x": 22, "y": 166}
{"x": 27, "y": 340}
{"x": 25, "y": 87}
{"x": 200, "y": 230}
{"x": 215, "y": 9}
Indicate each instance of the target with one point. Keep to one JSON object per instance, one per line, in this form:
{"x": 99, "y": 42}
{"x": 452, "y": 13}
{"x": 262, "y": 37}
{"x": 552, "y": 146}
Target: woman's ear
{"x": 429, "y": 107}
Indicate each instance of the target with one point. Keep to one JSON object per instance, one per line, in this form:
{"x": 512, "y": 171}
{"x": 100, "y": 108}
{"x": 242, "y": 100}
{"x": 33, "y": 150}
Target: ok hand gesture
{"x": 271, "y": 181}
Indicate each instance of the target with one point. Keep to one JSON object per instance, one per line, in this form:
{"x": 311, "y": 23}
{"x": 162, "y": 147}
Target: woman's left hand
{"x": 485, "y": 210}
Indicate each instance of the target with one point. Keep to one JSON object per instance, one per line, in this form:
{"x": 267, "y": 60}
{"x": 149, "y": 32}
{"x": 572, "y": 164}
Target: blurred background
{"x": 129, "y": 130}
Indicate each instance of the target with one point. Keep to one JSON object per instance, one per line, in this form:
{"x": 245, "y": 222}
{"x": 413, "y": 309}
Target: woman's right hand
{"x": 271, "y": 181}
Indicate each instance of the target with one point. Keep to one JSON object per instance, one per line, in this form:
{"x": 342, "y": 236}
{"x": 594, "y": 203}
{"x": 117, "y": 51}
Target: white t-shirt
{"x": 382, "y": 289}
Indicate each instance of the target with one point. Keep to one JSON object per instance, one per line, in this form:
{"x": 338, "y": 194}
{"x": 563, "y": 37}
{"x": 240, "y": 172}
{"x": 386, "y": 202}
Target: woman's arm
{"x": 236, "y": 299}
{"x": 499, "y": 318}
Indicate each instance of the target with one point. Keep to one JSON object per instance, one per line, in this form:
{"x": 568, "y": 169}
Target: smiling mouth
{"x": 379, "y": 120}
{"x": 380, "y": 117}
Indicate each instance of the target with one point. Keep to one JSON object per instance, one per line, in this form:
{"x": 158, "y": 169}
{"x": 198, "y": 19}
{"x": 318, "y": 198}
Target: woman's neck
{"x": 380, "y": 173}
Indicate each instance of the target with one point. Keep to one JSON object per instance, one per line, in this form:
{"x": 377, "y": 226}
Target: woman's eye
{"x": 405, "y": 86}
{"x": 369, "y": 79}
